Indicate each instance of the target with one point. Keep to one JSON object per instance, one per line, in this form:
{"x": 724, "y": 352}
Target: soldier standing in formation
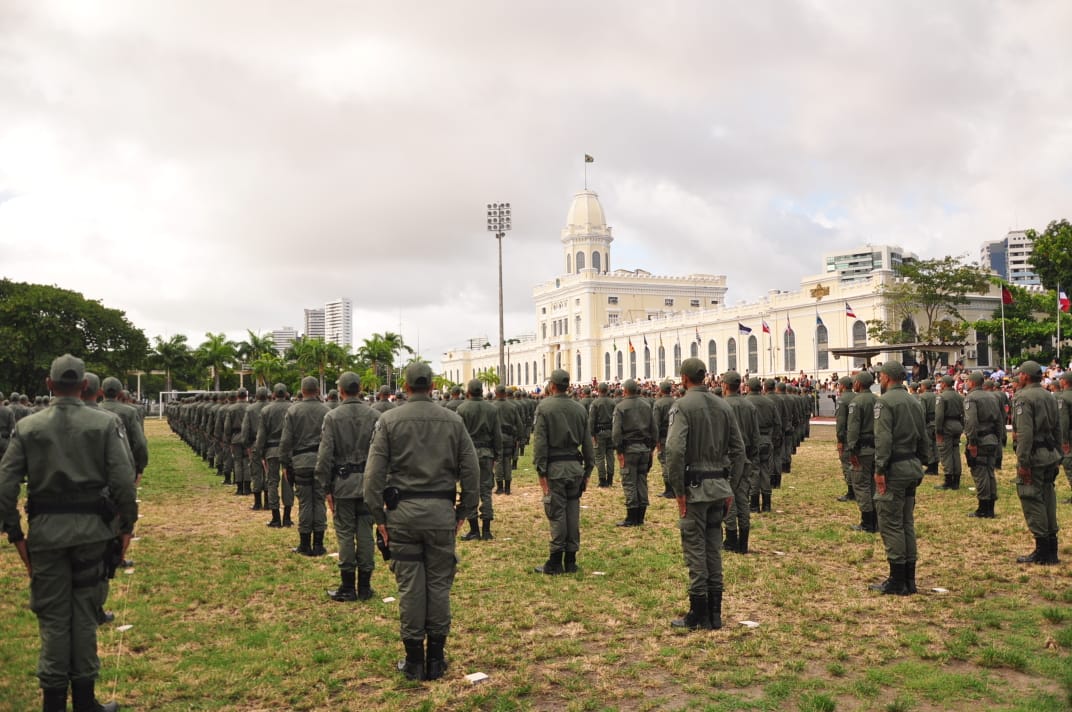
{"x": 132, "y": 424}
{"x": 983, "y": 427}
{"x": 1036, "y": 430}
{"x": 419, "y": 454}
{"x": 482, "y": 422}
{"x": 841, "y": 434}
{"x": 247, "y": 438}
{"x": 1064, "y": 408}
{"x": 929, "y": 399}
{"x": 340, "y": 471}
{"x": 900, "y": 448}
{"x": 455, "y": 401}
{"x": 738, "y": 523}
{"x": 510, "y": 426}
{"x": 383, "y": 400}
{"x": 7, "y": 425}
{"x": 860, "y": 443}
{"x": 661, "y": 410}
{"x": 266, "y": 449}
{"x": 948, "y": 426}
{"x": 600, "y": 423}
{"x": 562, "y": 456}
{"x": 71, "y": 457}
{"x": 703, "y": 448}
{"x": 298, "y": 448}
{"x": 770, "y": 441}
{"x": 634, "y": 434}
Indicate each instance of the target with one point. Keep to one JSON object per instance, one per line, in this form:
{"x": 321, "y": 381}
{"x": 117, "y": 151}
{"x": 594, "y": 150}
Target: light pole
{"x": 499, "y": 222}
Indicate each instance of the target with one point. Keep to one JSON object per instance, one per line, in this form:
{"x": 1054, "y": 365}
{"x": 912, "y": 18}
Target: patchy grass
{"x": 224, "y": 617}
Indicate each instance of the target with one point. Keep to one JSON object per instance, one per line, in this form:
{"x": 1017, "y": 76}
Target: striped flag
{"x": 1063, "y": 302}
{"x": 788, "y": 326}
{"x": 849, "y": 312}
{"x": 743, "y": 329}
{"x": 818, "y": 320}
{"x": 632, "y": 349}
{"x": 766, "y": 327}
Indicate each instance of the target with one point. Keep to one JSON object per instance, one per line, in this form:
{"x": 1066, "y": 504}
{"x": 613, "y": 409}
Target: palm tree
{"x": 217, "y": 353}
{"x": 315, "y": 355}
{"x": 378, "y": 354}
{"x": 173, "y": 354}
{"x": 488, "y": 377}
{"x": 264, "y": 366}
{"x": 255, "y": 346}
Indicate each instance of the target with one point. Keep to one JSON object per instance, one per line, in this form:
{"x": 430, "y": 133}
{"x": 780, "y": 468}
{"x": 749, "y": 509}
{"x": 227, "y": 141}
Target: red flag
{"x": 766, "y": 328}
{"x": 849, "y": 312}
{"x": 1006, "y": 295}
{"x": 1066, "y": 305}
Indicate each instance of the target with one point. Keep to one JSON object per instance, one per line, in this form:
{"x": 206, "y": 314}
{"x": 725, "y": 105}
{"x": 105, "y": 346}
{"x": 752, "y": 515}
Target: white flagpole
{"x": 1058, "y": 323}
{"x": 1004, "y": 349}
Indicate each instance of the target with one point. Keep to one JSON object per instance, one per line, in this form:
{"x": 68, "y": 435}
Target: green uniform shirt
{"x": 661, "y": 410}
{"x": 860, "y": 422}
{"x": 132, "y": 426}
{"x": 929, "y": 401}
{"x": 601, "y": 415}
{"x": 949, "y": 413}
{"x": 300, "y": 441}
{"x": 768, "y": 418}
{"x": 900, "y": 434}
{"x": 345, "y": 437}
{"x": 481, "y": 420}
{"x": 982, "y": 420}
{"x": 1037, "y": 425}
{"x": 270, "y": 429}
{"x": 633, "y": 427}
{"x": 1064, "y": 412}
{"x": 841, "y": 416}
{"x": 703, "y": 437}
{"x": 562, "y": 447}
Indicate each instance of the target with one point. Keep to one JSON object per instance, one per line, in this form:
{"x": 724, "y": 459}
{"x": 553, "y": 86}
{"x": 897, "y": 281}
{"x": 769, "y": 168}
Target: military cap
{"x": 334, "y": 392}
{"x": 926, "y": 383}
{"x": 111, "y": 386}
{"x": 947, "y": 380}
{"x": 500, "y": 388}
{"x": 310, "y": 384}
{"x": 894, "y": 370}
{"x": 349, "y": 382}
{"x": 1032, "y": 369}
{"x": 279, "y": 389}
{"x": 603, "y": 387}
{"x": 769, "y": 384}
{"x": 587, "y": 390}
{"x": 92, "y": 383}
{"x": 560, "y": 379}
{"x": 419, "y": 375}
{"x": 779, "y": 386}
{"x": 976, "y": 378}
{"x": 475, "y": 387}
{"x": 386, "y": 390}
{"x": 243, "y": 393}
{"x": 717, "y": 390}
{"x": 693, "y": 369}
{"x": 666, "y": 386}
{"x": 262, "y": 391}
{"x": 864, "y": 378}
{"x": 66, "y": 370}
{"x": 630, "y": 386}
{"x": 845, "y": 381}
{"x": 1067, "y": 376}
{"x": 754, "y": 384}
{"x": 732, "y": 379}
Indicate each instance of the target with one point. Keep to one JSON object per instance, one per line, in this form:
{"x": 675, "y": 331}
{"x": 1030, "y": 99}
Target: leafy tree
{"x": 488, "y": 377}
{"x": 172, "y": 355}
{"x": 1030, "y": 324}
{"x": 218, "y": 354}
{"x": 318, "y": 355}
{"x": 1051, "y": 256}
{"x": 38, "y": 323}
{"x": 933, "y": 289}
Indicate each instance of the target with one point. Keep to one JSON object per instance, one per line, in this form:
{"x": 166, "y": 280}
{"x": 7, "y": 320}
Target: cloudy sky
{"x": 218, "y": 166}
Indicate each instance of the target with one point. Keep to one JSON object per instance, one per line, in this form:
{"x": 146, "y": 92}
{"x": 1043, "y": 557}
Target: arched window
{"x": 580, "y": 262}
{"x": 822, "y": 345}
{"x": 982, "y": 348}
{"x": 647, "y": 362}
{"x": 632, "y": 364}
{"x": 712, "y": 357}
{"x": 620, "y": 369}
{"x": 677, "y": 358}
{"x": 558, "y": 359}
{"x": 527, "y": 373}
{"x": 694, "y": 350}
{"x": 908, "y": 331}
{"x": 662, "y": 362}
{"x": 606, "y": 366}
{"x": 569, "y": 265}
{"x": 789, "y": 340}
{"x": 859, "y": 338}
{"x": 577, "y": 374}
{"x": 753, "y": 354}
{"x": 595, "y": 261}
{"x": 731, "y": 355}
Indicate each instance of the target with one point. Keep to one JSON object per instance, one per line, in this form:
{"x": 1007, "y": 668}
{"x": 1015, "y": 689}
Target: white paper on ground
{"x": 779, "y": 553}
{"x": 124, "y": 628}
{"x": 940, "y": 590}
{"x": 474, "y": 678}
{"x": 599, "y": 573}
{"x": 389, "y": 599}
{"x": 128, "y": 571}
{"x": 334, "y": 555}
{"x": 750, "y": 624}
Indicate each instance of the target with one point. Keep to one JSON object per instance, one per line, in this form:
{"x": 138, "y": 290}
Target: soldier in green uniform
{"x": 232, "y": 437}
{"x": 841, "y": 430}
{"x": 457, "y": 397}
{"x": 738, "y": 522}
{"x": 266, "y": 449}
{"x": 929, "y": 400}
{"x": 419, "y": 454}
{"x": 900, "y": 448}
{"x": 1064, "y": 409}
{"x": 482, "y": 423}
{"x": 860, "y": 443}
{"x": 247, "y": 438}
{"x": 132, "y": 425}
{"x": 509, "y": 426}
{"x": 983, "y": 427}
{"x": 332, "y": 400}
{"x": 525, "y": 433}
{"x": 661, "y": 410}
{"x": 600, "y": 422}
{"x": 72, "y": 458}
{"x": 703, "y": 449}
{"x": 1036, "y": 428}
{"x": 298, "y": 448}
{"x": 586, "y": 398}
{"x": 383, "y": 400}
{"x": 991, "y": 387}
{"x": 562, "y": 455}
{"x": 949, "y": 425}
{"x": 784, "y": 459}
{"x": 7, "y": 425}
{"x": 769, "y": 419}
{"x": 340, "y": 469}
{"x": 634, "y": 434}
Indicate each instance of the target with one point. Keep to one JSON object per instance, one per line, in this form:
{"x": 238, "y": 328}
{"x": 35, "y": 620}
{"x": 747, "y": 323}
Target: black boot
{"x": 240, "y": 489}
{"x": 553, "y": 566}
{"x": 1041, "y": 545}
{"x": 85, "y": 700}
{"x": 1053, "y": 550}
{"x": 276, "y": 522}
{"x": 506, "y": 486}
{"x": 486, "y": 533}
{"x": 498, "y": 486}
{"x": 640, "y": 513}
{"x": 849, "y": 495}
{"x": 730, "y": 542}
{"x": 630, "y": 518}
{"x": 990, "y": 507}
{"x": 412, "y": 668}
{"x": 742, "y": 540}
{"x": 346, "y": 590}
{"x": 318, "y": 544}
{"x": 765, "y": 507}
{"x": 980, "y": 511}
{"x": 303, "y": 547}
{"x": 226, "y": 477}
{"x": 932, "y": 469}
{"x": 776, "y": 480}
{"x": 364, "y": 586}
{"x": 753, "y": 504}
{"x": 437, "y": 660}
{"x": 714, "y": 606}
{"x": 54, "y": 699}
{"x": 696, "y": 617}
{"x": 474, "y": 531}
{"x": 955, "y": 482}
{"x": 570, "y": 562}
{"x": 287, "y": 521}
{"x": 256, "y": 502}
{"x": 947, "y": 483}
{"x": 895, "y": 584}
{"x": 910, "y": 577}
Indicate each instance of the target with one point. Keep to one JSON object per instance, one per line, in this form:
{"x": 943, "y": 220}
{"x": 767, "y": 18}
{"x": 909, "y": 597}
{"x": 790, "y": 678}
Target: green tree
{"x": 267, "y": 368}
{"x": 318, "y": 355}
{"x": 216, "y": 353}
{"x": 934, "y": 290}
{"x": 1030, "y": 325}
{"x": 38, "y": 323}
{"x": 488, "y": 377}
{"x": 172, "y": 355}
{"x": 379, "y": 355}
{"x": 1051, "y": 255}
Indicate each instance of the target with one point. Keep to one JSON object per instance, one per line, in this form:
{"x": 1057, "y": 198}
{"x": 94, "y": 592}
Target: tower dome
{"x": 586, "y": 237}
{"x": 586, "y": 214}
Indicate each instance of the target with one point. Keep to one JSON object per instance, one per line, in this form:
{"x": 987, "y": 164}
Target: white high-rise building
{"x": 338, "y": 322}
{"x": 857, "y": 264}
{"x": 1018, "y": 253}
{"x": 283, "y": 338}
{"x": 314, "y": 324}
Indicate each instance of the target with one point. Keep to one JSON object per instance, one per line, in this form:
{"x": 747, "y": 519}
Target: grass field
{"x": 224, "y": 617}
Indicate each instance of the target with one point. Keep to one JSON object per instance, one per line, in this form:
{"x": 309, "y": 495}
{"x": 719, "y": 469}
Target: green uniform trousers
{"x": 1039, "y": 501}
{"x": 604, "y": 454}
{"x": 424, "y": 564}
{"x": 982, "y": 472}
{"x": 504, "y": 467}
{"x": 949, "y": 451}
{"x": 563, "y": 509}
{"x": 896, "y": 517}
{"x": 701, "y": 542}
{"x": 65, "y": 593}
{"x": 241, "y": 464}
{"x": 932, "y": 446}
{"x": 256, "y": 473}
{"x": 353, "y": 530}
{"x": 761, "y": 470}
{"x": 863, "y": 483}
{"x": 487, "y": 484}
{"x": 312, "y": 507}
{"x": 846, "y": 467}
{"x": 274, "y": 481}
{"x": 635, "y": 479}
{"x": 1067, "y": 461}
{"x": 740, "y": 514}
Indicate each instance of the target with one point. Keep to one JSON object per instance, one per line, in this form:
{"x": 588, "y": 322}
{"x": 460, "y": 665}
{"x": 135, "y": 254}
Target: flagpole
{"x": 1058, "y": 323}
{"x": 1004, "y": 348}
